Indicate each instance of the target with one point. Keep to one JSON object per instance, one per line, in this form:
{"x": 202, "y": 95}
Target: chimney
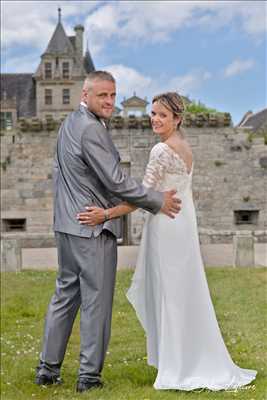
{"x": 79, "y": 41}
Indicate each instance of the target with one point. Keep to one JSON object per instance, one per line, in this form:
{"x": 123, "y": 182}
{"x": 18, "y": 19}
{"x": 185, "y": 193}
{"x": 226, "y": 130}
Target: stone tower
{"x": 60, "y": 74}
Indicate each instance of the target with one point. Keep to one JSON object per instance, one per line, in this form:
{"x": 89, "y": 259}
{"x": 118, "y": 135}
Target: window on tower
{"x": 66, "y": 96}
{"x": 66, "y": 70}
{"x": 48, "y": 70}
{"x": 48, "y": 96}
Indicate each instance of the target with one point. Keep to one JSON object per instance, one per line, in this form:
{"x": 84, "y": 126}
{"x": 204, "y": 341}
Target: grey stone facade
{"x": 229, "y": 180}
{"x": 230, "y": 164}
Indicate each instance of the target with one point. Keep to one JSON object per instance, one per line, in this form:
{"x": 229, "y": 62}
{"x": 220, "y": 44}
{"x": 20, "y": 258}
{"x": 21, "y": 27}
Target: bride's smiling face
{"x": 163, "y": 120}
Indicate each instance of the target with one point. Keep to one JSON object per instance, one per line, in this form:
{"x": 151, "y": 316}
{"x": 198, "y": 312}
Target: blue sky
{"x": 212, "y": 51}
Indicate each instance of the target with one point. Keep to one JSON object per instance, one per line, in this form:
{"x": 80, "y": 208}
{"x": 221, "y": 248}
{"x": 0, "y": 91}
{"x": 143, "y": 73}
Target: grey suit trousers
{"x": 86, "y": 279}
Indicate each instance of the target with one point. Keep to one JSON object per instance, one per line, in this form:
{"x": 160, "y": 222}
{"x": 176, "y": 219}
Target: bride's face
{"x": 162, "y": 120}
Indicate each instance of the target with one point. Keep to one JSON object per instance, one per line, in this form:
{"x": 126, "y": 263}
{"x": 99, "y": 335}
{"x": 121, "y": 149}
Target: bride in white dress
{"x": 169, "y": 289}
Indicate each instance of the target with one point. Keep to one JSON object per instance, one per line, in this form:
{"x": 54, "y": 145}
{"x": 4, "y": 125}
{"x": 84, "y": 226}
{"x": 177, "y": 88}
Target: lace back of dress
{"x": 166, "y": 170}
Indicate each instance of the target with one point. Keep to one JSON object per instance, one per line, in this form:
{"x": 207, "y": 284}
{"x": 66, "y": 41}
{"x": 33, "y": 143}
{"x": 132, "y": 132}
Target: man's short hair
{"x": 99, "y": 76}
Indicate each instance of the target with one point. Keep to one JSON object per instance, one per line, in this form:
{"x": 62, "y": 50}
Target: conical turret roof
{"x": 59, "y": 43}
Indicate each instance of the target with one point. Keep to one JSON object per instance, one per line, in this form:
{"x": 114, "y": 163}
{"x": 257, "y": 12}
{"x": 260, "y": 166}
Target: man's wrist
{"x": 106, "y": 215}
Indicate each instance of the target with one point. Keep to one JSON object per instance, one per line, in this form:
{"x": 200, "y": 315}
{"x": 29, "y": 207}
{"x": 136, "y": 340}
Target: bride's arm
{"x": 155, "y": 170}
{"x": 97, "y": 215}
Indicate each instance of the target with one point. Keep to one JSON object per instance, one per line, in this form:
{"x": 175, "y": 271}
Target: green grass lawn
{"x": 239, "y": 296}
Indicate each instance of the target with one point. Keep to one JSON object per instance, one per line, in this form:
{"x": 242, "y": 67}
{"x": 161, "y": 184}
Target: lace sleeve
{"x": 157, "y": 165}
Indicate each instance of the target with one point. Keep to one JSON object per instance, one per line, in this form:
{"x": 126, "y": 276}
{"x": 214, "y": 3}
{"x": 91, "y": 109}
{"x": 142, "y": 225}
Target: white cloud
{"x": 130, "y": 80}
{"x": 249, "y": 16}
{"x": 155, "y": 21}
{"x": 31, "y": 23}
{"x": 238, "y": 66}
{"x": 254, "y": 17}
{"x": 190, "y": 82}
{"x": 26, "y": 63}
{"x": 132, "y": 21}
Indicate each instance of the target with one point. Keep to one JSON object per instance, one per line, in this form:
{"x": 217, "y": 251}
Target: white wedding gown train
{"x": 170, "y": 294}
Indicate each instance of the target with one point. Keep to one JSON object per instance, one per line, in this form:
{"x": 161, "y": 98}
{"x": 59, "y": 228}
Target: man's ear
{"x": 84, "y": 94}
{"x": 177, "y": 120}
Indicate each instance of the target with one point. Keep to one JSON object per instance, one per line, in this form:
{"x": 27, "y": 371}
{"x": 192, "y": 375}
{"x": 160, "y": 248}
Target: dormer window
{"x": 48, "y": 70}
{"x": 66, "y": 70}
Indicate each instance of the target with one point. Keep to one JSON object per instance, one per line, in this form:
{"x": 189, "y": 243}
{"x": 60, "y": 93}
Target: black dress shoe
{"x": 85, "y": 385}
{"x": 46, "y": 380}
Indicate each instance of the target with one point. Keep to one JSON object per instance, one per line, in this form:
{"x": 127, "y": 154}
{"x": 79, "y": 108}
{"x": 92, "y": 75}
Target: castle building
{"x": 55, "y": 88}
{"x": 230, "y": 164}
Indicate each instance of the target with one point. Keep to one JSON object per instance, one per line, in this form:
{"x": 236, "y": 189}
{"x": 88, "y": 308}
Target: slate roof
{"x": 22, "y": 87}
{"x": 134, "y": 100}
{"x": 72, "y": 40}
{"x": 255, "y": 121}
{"x": 59, "y": 42}
{"x": 88, "y": 62}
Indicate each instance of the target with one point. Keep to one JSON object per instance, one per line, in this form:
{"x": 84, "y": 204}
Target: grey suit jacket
{"x": 87, "y": 172}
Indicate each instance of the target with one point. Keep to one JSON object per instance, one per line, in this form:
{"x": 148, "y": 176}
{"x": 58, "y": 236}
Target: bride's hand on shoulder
{"x": 92, "y": 216}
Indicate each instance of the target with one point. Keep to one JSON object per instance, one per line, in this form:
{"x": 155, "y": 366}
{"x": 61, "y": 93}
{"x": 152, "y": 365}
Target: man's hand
{"x": 93, "y": 216}
{"x": 171, "y": 205}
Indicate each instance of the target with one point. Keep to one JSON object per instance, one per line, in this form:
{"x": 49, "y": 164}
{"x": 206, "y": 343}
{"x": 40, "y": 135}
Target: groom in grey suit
{"x": 87, "y": 172}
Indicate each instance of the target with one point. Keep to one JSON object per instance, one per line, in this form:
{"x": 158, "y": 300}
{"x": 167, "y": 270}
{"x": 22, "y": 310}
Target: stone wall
{"x": 230, "y": 174}
{"x": 26, "y": 184}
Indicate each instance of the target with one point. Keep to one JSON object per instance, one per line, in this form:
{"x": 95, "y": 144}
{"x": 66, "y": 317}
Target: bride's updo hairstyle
{"x": 173, "y": 102}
